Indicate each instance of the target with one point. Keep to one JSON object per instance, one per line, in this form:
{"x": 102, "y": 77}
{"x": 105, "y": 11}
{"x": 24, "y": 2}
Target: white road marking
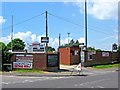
{"x": 4, "y": 83}
{"x": 100, "y": 86}
{"x": 91, "y": 83}
{"x": 34, "y": 80}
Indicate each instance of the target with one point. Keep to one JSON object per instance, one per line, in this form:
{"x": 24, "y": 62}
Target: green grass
{"x": 28, "y": 71}
{"x": 106, "y": 66}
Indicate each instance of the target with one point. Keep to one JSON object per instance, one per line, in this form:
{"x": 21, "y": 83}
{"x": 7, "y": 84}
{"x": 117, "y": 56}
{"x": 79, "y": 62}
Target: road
{"x": 101, "y": 80}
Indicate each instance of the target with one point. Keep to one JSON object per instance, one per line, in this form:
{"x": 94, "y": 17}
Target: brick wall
{"x": 99, "y": 59}
{"x": 64, "y": 55}
{"x": 75, "y": 59}
{"x": 67, "y": 55}
{"x": 40, "y": 61}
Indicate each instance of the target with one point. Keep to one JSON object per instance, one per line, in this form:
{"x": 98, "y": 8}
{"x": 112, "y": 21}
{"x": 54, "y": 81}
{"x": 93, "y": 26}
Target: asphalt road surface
{"x": 103, "y": 80}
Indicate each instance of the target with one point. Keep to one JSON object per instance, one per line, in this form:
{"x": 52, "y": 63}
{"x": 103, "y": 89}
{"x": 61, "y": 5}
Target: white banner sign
{"x": 105, "y": 54}
{"x": 79, "y": 67}
{"x": 24, "y": 65}
{"x": 24, "y": 58}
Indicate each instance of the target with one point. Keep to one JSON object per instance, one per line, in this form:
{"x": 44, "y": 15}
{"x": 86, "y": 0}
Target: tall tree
{"x": 17, "y": 44}
{"x": 72, "y": 42}
{"x": 5, "y": 54}
{"x": 77, "y": 43}
{"x": 2, "y": 46}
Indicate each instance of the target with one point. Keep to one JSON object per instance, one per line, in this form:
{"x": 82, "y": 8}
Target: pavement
{"x": 65, "y": 70}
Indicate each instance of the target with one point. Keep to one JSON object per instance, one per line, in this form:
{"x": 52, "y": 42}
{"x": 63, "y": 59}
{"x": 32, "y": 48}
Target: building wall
{"x": 68, "y": 55}
{"x": 64, "y": 55}
{"x": 40, "y": 61}
{"x": 75, "y": 55}
{"x": 99, "y": 59}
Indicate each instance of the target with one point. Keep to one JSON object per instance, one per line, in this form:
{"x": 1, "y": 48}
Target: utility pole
{"x": 46, "y": 32}
{"x": 85, "y": 29}
{"x": 59, "y": 39}
{"x": 68, "y": 37}
{"x": 12, "y": 34}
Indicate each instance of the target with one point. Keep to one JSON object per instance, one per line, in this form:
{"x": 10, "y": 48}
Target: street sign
{"x": 114, "y": 46}
{"x": 44, "y": 39}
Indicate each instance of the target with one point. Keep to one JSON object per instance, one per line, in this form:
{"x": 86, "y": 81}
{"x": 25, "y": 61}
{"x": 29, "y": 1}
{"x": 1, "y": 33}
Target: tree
{"x": 2, "y": 46}
{"x": 17, "y": 44}
{"x": 5, "y": 54}
{"x": 77, "y": 43}
{"x": 50, "y": 49}
{"x": 90, "y": 49}
{"x": 72, "y": 42}
{"x": 98, "y": 50}
{"x": 119, "y": 48}
{"x": 2, "y": 53}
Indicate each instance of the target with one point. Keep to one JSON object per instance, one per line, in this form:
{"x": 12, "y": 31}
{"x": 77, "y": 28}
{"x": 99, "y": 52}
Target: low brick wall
{"x": 39, "y": 60}
{"x": 99, "y": 59}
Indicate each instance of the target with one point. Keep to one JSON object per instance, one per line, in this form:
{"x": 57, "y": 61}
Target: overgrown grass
{"x": 28, "y": 71}
{"x": 106, "y": 66}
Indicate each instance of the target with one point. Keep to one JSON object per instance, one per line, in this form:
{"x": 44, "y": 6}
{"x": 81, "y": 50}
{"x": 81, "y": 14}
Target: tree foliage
{"x": 73, "y": 43}
{"x": 5, "y": 54}
{"x": 17, "y": 44}
{"x": 90, "y": 48}
{"x": 2, "y": 46}
{"x": 50, "y": 49}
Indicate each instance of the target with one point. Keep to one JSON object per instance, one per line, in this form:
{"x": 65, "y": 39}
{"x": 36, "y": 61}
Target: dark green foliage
{"x": 5, "y": 54}
{"x": 17, "y": 44}
{"x": 98, "y": 50}
{"x": 50, "y": 49}
{"x": 90, "y": 49}
{"x": 73, "y": 43}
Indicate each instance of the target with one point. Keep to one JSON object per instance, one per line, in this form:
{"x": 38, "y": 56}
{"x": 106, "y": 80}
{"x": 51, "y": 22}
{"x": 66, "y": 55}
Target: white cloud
{"x": 29, "y": 37}
{"x": 2, "y": 20}
{"x": 101, "y": 9}
{"x": 81, "y": 40}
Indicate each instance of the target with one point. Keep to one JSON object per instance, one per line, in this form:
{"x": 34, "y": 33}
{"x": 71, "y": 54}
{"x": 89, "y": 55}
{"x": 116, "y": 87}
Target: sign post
{"x": 114, "y": 47}
{"x": 44, "y": 39}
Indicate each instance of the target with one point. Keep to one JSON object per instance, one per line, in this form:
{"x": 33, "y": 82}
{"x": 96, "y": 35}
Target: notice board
{"x": 52, "y": 60}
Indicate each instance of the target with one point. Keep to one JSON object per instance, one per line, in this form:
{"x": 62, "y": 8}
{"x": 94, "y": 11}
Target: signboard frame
{"x": 50, "y": 58}
{"x": 22, "y": 65}
{"x": 105, "y": 54}
{"x": 44, "y": 39}
{"x": 24, "y": 58}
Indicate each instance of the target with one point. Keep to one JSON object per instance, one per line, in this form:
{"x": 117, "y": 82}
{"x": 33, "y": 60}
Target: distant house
{"x": 36, "y": 47}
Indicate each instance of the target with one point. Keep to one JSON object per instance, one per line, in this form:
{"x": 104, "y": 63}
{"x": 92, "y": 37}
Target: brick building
{"x": 69, "y": 55}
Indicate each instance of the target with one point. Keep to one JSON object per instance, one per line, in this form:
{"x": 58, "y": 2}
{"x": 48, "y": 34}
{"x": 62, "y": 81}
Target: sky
{"x": 63, "y": 17}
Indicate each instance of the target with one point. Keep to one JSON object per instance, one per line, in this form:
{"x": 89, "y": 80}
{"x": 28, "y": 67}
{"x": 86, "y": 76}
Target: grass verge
{"x": 106, "y": 66}
{"x": 28, "y": 71}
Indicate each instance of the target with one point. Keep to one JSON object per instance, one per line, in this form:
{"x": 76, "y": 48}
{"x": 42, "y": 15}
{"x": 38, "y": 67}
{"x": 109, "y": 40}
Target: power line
{"x": 65, "y": 20}
{"x": 24, "y": 21}
{"x": 90, "y": 27}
